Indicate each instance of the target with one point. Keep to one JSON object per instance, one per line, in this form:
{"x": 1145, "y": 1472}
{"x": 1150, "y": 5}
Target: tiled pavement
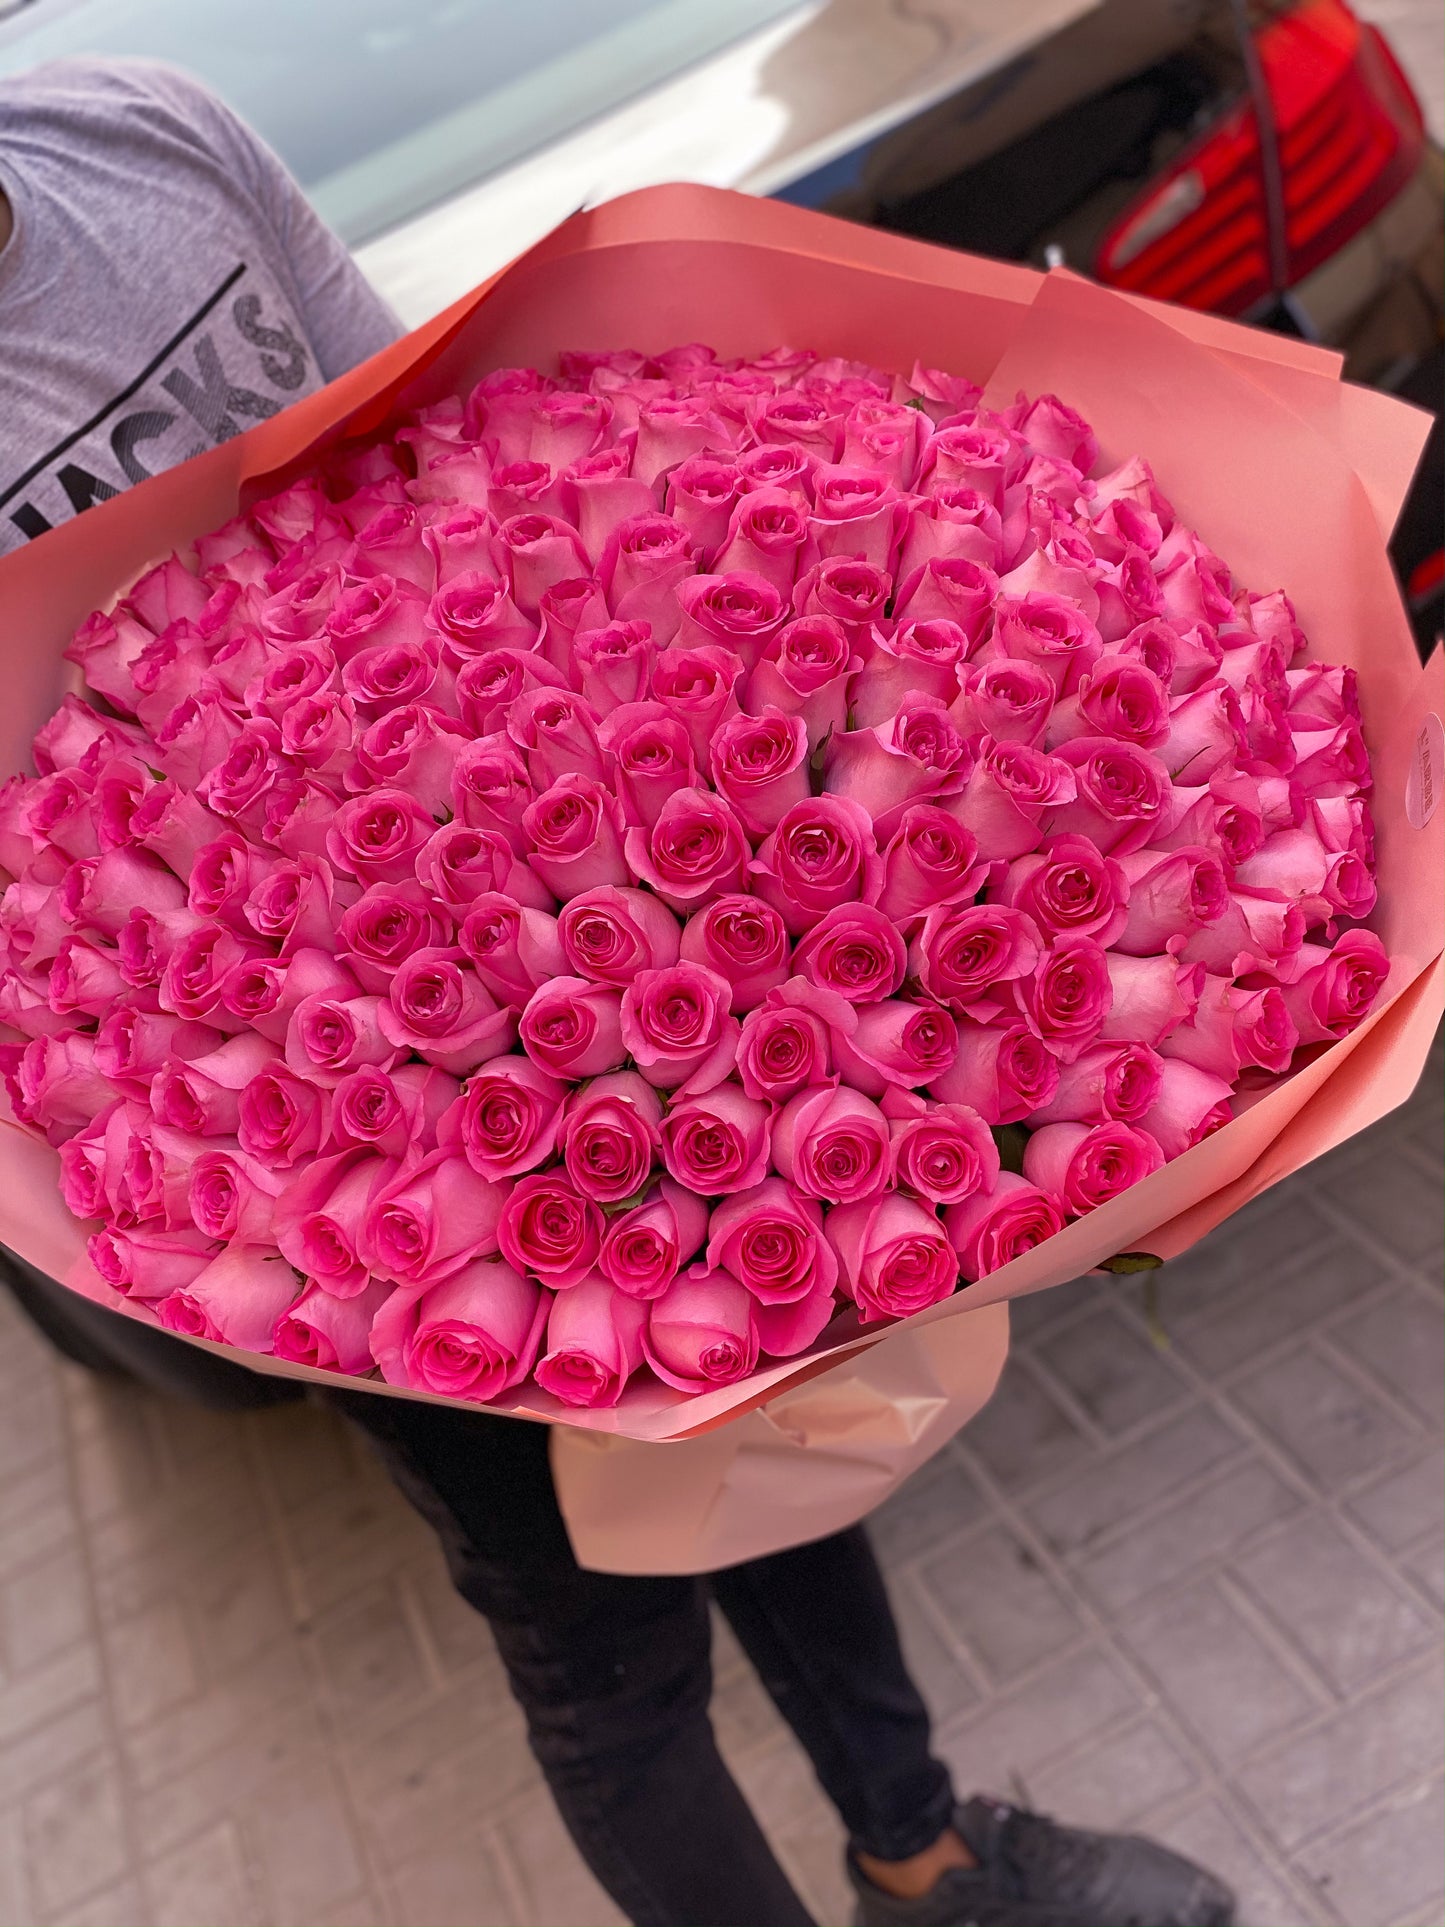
{"x": 1187, "y": 1579}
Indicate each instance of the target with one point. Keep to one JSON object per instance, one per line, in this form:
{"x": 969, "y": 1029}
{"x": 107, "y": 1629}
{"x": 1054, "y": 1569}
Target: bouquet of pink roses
{"x": 642, "y": 874}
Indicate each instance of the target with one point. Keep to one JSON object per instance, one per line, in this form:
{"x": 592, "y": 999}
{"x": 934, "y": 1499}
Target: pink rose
{"x": 329, "y": 1036}
{"x": 670, "y": 428}
{"x": 963, "y": 952}
{"x": 645, "y": 569}
{"x": 329, "y": 1333}
{"x": 764, "y": 538}
{"x": 1336, "y": 988}
{"x": 296, "y": 905}
{"x": 920, "y": 659}
{"x": 1107, "y": 1083}
{"x": 390, "y": 1111}
{"x": 784, "y": 1047}
{"x": 549, "y": 1228}
{"x": 203, "y": 1097}
{"x": 237, "y": 784}
{"x": 1295, "y": 865}
{"x": 929, "y": 862}
{"x": 739, "y": 613}
{"x": 1007, "y": 793}
{"x": 557, "y": 733}
{"x": 918, "y": 754}
{"x": 387, "y": 924}
{"x": 84, "y": 980}
{"x": 857, "y": 513}
{"x": 832, "y": 1144}
{"x": 895, "y": 1045}
{"x": 1121, "y": 795}
{"x": 235, "y": 1301}
{"x": 490, "y": 787}
{"x": 1254, "y": 934}
{"x": 1005, "y": 1073}
{"x": 508, "y": 1118}
{"x": 377, "y": 837}
{"x": 653, "y": 755}
{"x": 1233, "y": 1028}
{"x": 593, "y": 1344}
{"x": 147, "y": 1263}
{"x": 566, "y": 609}
{"x": 281, "y": 1117}
{"x": 1171, "y": 894}
{"x": 488, "y": 685}
{"x": 99, "y": 895}
{"x": 854, "y": 952}
{"x": 1068, "y": 996}
{"x": 760, "y": 764}
{"x": 1192, "y": 1104}
{"x": 677, "y": 1028}
{"x": 1322, "y": 696}
{"x": 646, "y": 1247}
{"x": 949, "y": 589}
{"x": 717, "y": 1141}
{"x": 614, "y": 664}
{"x": 702, "y": 1333}
{"x": 573, "y": 1028}
{"x": 943, "y": 1152}
{"x": 600, "y": 494}
{"x": 537, "y": 551}
{"x": 320, "y": 1217}
{"x": 574, "y": 831}
{"x": 472, "y": 1336}
{"x": 438, "y": 1008}
{"x": 1205, "y": 733}
{"x": 1118, "y": 697}
{"x": 991, "y": 1228}
{"x": 743, "y": 940}
{"x": 893, "y": 1257}
{"x": 458, "y": 865}
{"x": 806, "y": 671}
{"x": 288, "y": 676}
{"x": 1085, "y": 1165}
{"x": 611, "y": 934}
{"x": 222, "y": 877}
{"x": 430, "y": 1219}
{"x": 132, "y": 1045}
{"x": 695, "y": 850}
{"x": 609, "y": 1136}
{"x": 1008, "y": 699}
{"x": 1050, "y": 632}
{"x": 1068, "y": 889}
{"x": 698, "y": 687}
{"x": 771, "y": 1242}
{"x": 823, "y": 853}
{"x": 376, "y": 611}
{"x": 1150, "y": 996}
{"x": 512, "y": 949}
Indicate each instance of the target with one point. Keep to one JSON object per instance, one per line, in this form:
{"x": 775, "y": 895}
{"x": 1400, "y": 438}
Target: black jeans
{"x": 614, "y": 1677}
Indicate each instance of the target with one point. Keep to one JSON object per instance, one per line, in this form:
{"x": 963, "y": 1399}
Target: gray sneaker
{"x": 1034, "y": 1873}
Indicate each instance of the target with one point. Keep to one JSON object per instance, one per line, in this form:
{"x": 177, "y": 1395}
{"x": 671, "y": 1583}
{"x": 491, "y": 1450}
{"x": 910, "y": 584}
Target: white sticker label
{"x": 1427, "y": 771}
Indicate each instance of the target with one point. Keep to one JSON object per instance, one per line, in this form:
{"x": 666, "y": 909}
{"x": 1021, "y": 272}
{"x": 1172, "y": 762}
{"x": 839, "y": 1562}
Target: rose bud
{"x": 319, "y": 1217}
{"x": 328, "y": 1036}
{"x": 84, "y": 980}
{"x": 132, "y": 1045}
{"x": 718, "y": 1141}
{"x": 1085, "y": 1165}
{"x": 1121, "y": 797}
{"x": 956, "y": 521}
{"x": 490, "y": 788}
{"x": 760, "y": 764}
{"x": 614, "y": 664}
{"x": 377, "y": 837}
{"x": 699, "y": 688}
{"x": 895, "y": 1045}
{"x": 643, "y": 571}
{"x": 98, "y": 896}
{"x": 653, "y": 755}
{"x": 944, "y": 1152}
{"x": 609, "y": 1136}
{"x": 764, "y": 539}
{"x": 328, "y": 1333}
{"x": 702, "y": 1333}
{"x": 507, "y": 1120}
{"x": 1118, "y": 697}
{"x": 645, "y": 1248}
{"x": 1107, "y": 1083}
{"x": 676, "y": 1027}
{"x": 387, "y": 924}
{"x": 962, "y": 953}
{"x": 513, "y": 950}
{"x": 742, "y": 939}
{"x": 556, "y": 732}
{"x": 1171, "y": 894}
{"x": 611, "y": 934}
{"x": 1068, "y": 996}
{"x": 296, "y": 904}
{"x": 807, "y": 671}
{"x": 488, "y": 685}
{"x": 1233, "y": 1028}
{"x": 573, "y": 1028}
{"x": 1296, "y": 865}
{"x": 696, "y": 850}
{"x": 565, "y": 610}
{"x": 458, "y": 864}
{"x": 147, "y": 1263}
{"x": 1004, "y": 1073}
{"x": 598, "y": 493}
{"x": 930, "y": 862}
{"x": 438, "y": 1008}
{"x": 832, "y": 1144}
{"x": 739, "y": 613}
{"x": 948, "y": 588}
{"x": 771, "y": 1242}
{"x": 992, "y": 1228}
{"x": 854, "y": 952}
{"x": 700, "y": 495}
{"x": 1008, "y": 700}
{"x": 392, "y": 1112}
{"x": 1254, "y": 934}
{"x": 537, "y": 551}
{"x": 893, "y": 1257}
{"x": 1192, "y": 1104}
{"x": 235, "y": 1301}
{"x": 823, "y": 853}
{"x": 1206, "y": 732}
{"x": 784, "y": 1047}
{"x": 593, "y": 1344}
{"x": 917, "y": 754}
{"x": 670, "y": 428}
{"x": 203, "y": 1097}
{"x": 574, "y": 832}
{"x": 430, "y": 1219}
{"x": 1007, "y": 794}
{"x": 1335, "y": 989}
{"x": 1151, "y": 995}
{"x": 549, "y": 1228}
{"x": 374, "y": 612}
{"x": 1068, "y": 889}
{"x": 472, "y": 1336}
{"x": 920, "y": 659}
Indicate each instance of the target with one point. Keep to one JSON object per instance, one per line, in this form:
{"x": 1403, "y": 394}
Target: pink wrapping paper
{"x": 1291, "y": 476}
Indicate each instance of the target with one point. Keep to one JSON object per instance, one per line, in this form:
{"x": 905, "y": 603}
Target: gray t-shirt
{"x": 165, "y": 286}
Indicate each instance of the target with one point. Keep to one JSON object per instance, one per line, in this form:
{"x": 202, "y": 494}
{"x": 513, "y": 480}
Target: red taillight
{"x": 1350, "y": 135}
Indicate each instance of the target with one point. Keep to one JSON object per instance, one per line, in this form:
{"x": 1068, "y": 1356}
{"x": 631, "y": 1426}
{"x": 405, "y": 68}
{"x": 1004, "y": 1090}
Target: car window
{"x": 383, "y": 107}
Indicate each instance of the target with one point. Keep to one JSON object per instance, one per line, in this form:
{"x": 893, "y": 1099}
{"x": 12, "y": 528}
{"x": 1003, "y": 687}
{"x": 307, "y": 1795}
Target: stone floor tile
{"x": 16, "y": 1907}
{"x": 368, "y": 1657}
{"x": 275, "y": 1686}
{"x": 1039, "y": 1311}
{"x": 237, "y": 1606}
{"x": 205, "y": 1880}
{"x": 1213, "y": 1836}
{"x": 1015, "y": 1733}
{"x": 455, "y": 1634}
{"x": 1388, "y": 1865}
{"x": 1275, "y": 1230}
{"x": 34, "y": 1758}
{"x": 300, "y": 1836}
{"x": 152, "y": 1666}
{"x": 1321, "y": 1778}
{"x": 32, "y": 1698}
{"x": 992, "y": 1594}
{"x": 36, "y": 1514}
{"x": 357, "y": 1910}
{"x": 939, "y": 1501}
{"x": 811, "y": 1851}
{"x": 1401, "y": 1340}
{"x": 1195, "y": 1529}
{"x": 44, "y": 1609}
{"x": 1100, "y": 1497}
{"x": 1426, "y": 1566}
{"x": 1118, "y": 1378}
{"x": 1110, "y": 1783}
{"x": 119, "y": 1906}
{"x": 306, "y": 1451}
{"x": 210, "y": 1789}
{"x": 1327, "y": 1598}
{"x": 946, "y": 1683}
{"x": 1404, "y": 1502}
{"x": 1271, "y": 1308}
{"x": 1395, "y": 1200}
{"x": 456, "y": 1888}
{"x": 74, "y": 1837}
{"x": 1216, "y": 1670}
{"x": 1332, "y": 1428}
{"x": 742, "y": 1713}
{"x": 555, "y": 1883}
{"x": 1023, "y": 1433}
